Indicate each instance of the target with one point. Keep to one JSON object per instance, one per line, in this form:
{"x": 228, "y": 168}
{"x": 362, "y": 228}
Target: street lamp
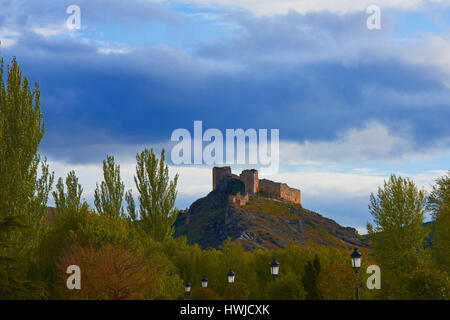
{"x": 274, "y": 268}
{"x": 230, "y": 276}
{"x": 187, "y": 288}
{"x": 204, "y": 282}
{"x": 356, "y": 264}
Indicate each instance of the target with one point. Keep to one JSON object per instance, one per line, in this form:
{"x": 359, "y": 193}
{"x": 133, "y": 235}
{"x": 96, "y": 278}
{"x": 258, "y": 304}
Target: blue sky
{"x": 352, "y": 105}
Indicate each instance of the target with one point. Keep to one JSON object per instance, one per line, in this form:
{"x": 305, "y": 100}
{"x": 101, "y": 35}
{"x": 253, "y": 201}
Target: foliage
{"x": 337, "y": 282}
{"x": 204, "y": 294}
{"x": 23, "y": 195}
{"x": 429, "y": 284}
{"x": 439, "y": 205}
{"x": 107, "y": 273}
{"x": 309, "y": 280}
{"x": 157, "y": 195}
{"x": 236, "y": 291}
{"x": 109, "y": 196}
{"x": 287, "y": 287}
{"x": 397, "y": 237}
{"x": 70, "y": 200}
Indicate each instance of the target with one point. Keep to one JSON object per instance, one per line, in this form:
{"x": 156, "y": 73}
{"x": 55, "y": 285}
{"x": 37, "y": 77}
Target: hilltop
{"x": 258, "y": 222}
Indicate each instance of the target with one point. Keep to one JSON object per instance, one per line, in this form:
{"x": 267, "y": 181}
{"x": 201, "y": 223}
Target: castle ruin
{"x": 253, "y": 185}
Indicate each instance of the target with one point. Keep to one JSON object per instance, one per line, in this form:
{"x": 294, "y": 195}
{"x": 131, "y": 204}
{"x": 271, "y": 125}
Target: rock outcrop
{"x": 260, "y": 223}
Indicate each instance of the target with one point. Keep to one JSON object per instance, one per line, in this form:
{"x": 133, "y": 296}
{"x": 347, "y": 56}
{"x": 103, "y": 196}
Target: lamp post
{"x": 356, "y": 264}
{"x": 187, "y": 289}
{"x": 274, "y": 268}
{"x": 204, "y": 282}
{"x": 230, "y": 276}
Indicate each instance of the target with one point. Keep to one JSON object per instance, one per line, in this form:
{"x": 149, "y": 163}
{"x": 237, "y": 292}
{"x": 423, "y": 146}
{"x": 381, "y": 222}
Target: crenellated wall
{"x": 254, "y": 185}
{"x": 280, "y": 190}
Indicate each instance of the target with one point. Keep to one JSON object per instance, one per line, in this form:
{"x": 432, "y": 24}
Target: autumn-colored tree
{"x": 107, "y": 273}
{"x": 204, "y": 294}
{"x": 236, "y": 291}
{"x": 337, "y": 282}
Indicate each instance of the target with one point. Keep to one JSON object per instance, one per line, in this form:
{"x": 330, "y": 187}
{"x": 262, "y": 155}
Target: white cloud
{"x": 372, "y": 142}
{"x": 271, "y": 7}
{"x": 49, "y": 31}
{"x": 193, "y": 182}
{"x": 8, "y": 37}
{"x": 432, "y": 50}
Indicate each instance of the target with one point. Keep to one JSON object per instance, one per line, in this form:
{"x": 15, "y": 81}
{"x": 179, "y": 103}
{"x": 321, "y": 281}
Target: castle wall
{"x": 250, "y": 180}
{"x": 290, "y": 194}
{"x": 218, "y": 174}
{"x": 269, "y": 187}
{"x": 280, "y": 190}
{"x": 254, "y": 185}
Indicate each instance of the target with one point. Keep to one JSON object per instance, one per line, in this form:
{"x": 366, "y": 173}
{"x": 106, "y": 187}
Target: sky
{"x": 352, "y": 105}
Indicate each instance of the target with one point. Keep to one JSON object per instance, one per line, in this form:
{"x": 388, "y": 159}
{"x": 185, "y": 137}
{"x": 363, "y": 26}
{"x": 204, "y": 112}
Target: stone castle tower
{"x": 254, "y": 185}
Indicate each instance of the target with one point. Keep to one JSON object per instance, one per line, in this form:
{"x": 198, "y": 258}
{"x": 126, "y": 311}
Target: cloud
{"x": 270, "y": 7}
{"x": 373, "y": 142}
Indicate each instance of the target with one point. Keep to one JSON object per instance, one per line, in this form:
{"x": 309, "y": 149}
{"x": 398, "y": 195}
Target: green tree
{"x": 109, "y": 196}
{"x": 309, "y": 280}
{"x": 23, "y": 196}
{"x": 157, "y": 195}
{"x": 287, "y": 287}
{"x": 429, "y": 284}
{"x": 131, "y": 206}
{"x": 439, "y": 205}
{"x": 397, "y": 237}
{"x": 70, "y": 200}
{"x": 236, "y": 291}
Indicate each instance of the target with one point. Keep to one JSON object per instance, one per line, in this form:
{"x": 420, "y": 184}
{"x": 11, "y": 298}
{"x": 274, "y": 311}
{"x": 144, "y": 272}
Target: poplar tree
{"x": 157, "y": 194}
{"x": 70, "y": 200}
{"x": 23, "y": 195}
{"x": 108, "y": 196}
{"x": 397, "y": 236}
{"x": 439, "y": 205}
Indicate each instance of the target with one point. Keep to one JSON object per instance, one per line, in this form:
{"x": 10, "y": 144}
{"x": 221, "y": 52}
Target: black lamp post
{"x": 204, "y": 282}
{"x": 356, "y": 264}
{"x": 187, "y": 289}
{"x": 274, "y": 268}
{"x": 230, "y": 276}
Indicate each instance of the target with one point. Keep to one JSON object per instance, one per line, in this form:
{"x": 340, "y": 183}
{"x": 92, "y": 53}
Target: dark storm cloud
{"x": 311, "y": 76}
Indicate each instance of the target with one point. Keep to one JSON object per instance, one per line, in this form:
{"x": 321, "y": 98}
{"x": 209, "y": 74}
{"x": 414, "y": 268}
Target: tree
{"x": 157, "y": 195}
{"x": 131, "y": 206}
{"x": 23, "y": 196}
{"x": 337, "y": 282}
{"x": 309, "y": 280}
{"x": 236, "y": 291}
{"x": 204, "y": 294}
{"x": 107, "y": 273}
{"x": 397, "y": 237}
{"x": 439, "y": 205}
{"x": 70, "y": 200}
{"x": 429, "y": 284}
{"x": 109, "y": 196}
{"x": 287, "y": 287}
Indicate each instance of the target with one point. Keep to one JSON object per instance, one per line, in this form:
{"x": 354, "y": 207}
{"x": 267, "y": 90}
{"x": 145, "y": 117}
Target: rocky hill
{"x": 260, "y": 223}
